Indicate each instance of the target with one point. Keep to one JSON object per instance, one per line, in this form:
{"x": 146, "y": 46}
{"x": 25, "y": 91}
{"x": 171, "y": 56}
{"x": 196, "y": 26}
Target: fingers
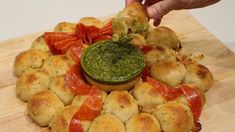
{"x": 156, "y": 22}
{"x": 130, "y": 1}
{"x": 159, "y": 9}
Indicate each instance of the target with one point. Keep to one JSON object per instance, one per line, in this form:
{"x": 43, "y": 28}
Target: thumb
{"x": 159, "y": 9}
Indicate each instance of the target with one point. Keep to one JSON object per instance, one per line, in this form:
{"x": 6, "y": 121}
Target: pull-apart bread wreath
{"x": 117, "y": 75}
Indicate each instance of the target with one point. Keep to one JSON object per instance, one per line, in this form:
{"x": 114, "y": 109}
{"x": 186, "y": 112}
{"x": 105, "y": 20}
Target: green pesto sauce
{"x": 107, "y": 61}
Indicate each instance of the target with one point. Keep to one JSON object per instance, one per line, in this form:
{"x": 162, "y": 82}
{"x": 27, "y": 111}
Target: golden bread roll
{"x": 43, "y": 106}
{"x": 91, "y": 21}
{"x": 143, "y": 123}
{"x": 120, "y": 104}
{"x": 138, "y": 39}
{"x": 147, "y": 98}
{"x": 61, "y": 121}
{"x": 199, "y": 76}
{"x": 158, "y": 54}
{"x": 40, "y": 44}
{"x": 65, "y": 27}
{"x": 57, "y": 65}
{"x": 59, "y": 87}
{"x": 31, "y": 82}
{"x": 174, "y": 117}
{"x": 132, "y": 18}
{"x": 106, "y": 123}
{"x": 29, "y": 59}
{"x": 169, "y": 72}
{"x": 78, "y": 99}
{"x": 163, "y": 36}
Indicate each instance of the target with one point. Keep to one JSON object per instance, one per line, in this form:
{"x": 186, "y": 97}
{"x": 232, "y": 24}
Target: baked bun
{"x": 31, "y": 82}
{"x": 174, "y": 117}
{"x": 62, "y": 120}
{"x": 59, "y": 87}
{"x": 78, "y": 99}
{"x": 169, "y": 72}
{"x": 132, "y": 18}
{"x": 106, "y": 123}
{"x": 143, "y": 123}
{"x": 65, "y": 27}
{"x": 29, "y": 59}
{"x": 40, "y": 44}
{"x": 163, "y": 36}
{"x": 147, "y": 98}
{"x": 120, "y": 104}
{"x": 199, "y": 76}
{"x": 57, "y": 65}
{"x": 43, "y": 106}
{"x": 91, "y": 21}
{"x": 138, "y": 39}
{"x": 158, "y": 54}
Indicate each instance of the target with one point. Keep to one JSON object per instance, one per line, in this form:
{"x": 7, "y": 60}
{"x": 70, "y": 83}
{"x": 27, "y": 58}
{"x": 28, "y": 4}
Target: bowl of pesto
{"x": 112, "y": 65}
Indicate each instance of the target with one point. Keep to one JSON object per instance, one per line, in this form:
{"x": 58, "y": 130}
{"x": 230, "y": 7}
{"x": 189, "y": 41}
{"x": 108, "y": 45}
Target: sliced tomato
{"x": 75, "y": 125}
{"x": 80, "y": 30}
{"x": 51, "y": 37}
{"x": 92, "y": 105}
{"x": 89, "y": 110}
{"x": 166, "y": 91}
{"x": 74, "y": 80}
{"x": 146, "y": 73}
{"x": 194, "y": 100}
{"x": 107, "y": 29}
{"x": 145, "y": 49}
{"x": 76, "y": 51}
{"x": 103, "y": 37}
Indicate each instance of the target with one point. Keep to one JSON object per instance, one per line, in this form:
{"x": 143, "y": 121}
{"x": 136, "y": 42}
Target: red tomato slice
{"x": 92, "y": 105}
{"x": 103, "y": 37}
{"x": 75, "y": 125}
{"x": 146, "y": 73}
{"x": 194, "y": 100}
{"x": 74, "y": 80}
{"x": 80, "y": 30}
{"x": 166, "y": 91}
{"x": 145, "y": 49}
{"x": 89, "y": 110}
{"x": 51, "y": 37}
{"x": 76, "y": 51}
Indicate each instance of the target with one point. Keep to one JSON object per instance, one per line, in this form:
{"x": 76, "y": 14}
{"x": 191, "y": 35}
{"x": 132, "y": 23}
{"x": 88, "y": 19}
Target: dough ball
{"x": 57, "y": 65}
{"x": 158, "y": 54}
{"x": 163, "y": 36}
{"x": 138, "y": 39}
{"x": 62, "y": 120}
{"x": 40, "y": 44}
{"x": 29, "y": 59}
{"x": 91, "y": 21}
{"x": 65, "y": 27}
{"x": 147, "y": 98}
{"x": 120, "y": 104}
{"x": 59, "y": 87}
{"x": 199, "y": 76}
{"x": 31, "y": 82}
{"x": 169, "y": 72}
{"x": 106, "y": 123}
{"x": 43, "y": 106}
{"x": 143, "y": 123}
{"x": 174, "y": 117}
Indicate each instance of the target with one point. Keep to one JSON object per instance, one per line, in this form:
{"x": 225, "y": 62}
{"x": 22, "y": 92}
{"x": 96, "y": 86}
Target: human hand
{"x": 158, "y": 8}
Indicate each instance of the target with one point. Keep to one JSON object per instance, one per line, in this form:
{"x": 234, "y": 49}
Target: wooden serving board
{"x": 218, "y": 114}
